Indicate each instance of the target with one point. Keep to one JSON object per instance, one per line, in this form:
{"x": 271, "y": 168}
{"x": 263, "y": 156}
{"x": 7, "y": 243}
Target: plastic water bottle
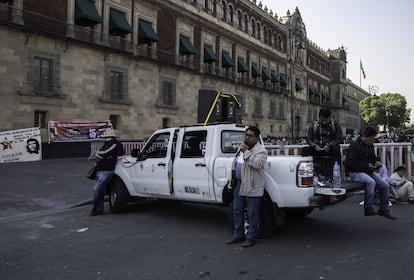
{"x": 336, "y": 175}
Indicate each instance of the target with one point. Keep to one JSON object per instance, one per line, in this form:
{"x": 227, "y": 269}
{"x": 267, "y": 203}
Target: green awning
{"x": 226, "y": 61}
{"x": 209, "y": 55}
{"x": 146, "y": 34}
{"x": 186, "y": 48}
{"x": 255, "y": 71}
{"x": 118, "y": 24}
{"x": 241, "y": 66}
{"x": 298, "y": 85}
{"x": 265, "y": 74}
{"x": 311, "y": 91}
{"x": 273, "y": 76}
{"x": 283, "y": 80}
{"x": 344, "y": 99}
{"x": 316, "y": 92}
{"x": 86, "y": 13}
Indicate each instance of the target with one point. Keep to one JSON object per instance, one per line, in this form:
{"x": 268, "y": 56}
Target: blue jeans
{"x": 253, "y": 205}
{"x": 102, "y": 179}
{"x": 371, "y": 181}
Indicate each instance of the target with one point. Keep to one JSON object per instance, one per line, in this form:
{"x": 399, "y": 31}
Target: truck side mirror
{"x": 135, "y": 153}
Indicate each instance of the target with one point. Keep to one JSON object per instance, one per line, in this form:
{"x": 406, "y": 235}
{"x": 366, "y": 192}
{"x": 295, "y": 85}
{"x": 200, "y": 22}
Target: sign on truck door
{"x": 191, "y": 169}
{"x": 152, "y": 174}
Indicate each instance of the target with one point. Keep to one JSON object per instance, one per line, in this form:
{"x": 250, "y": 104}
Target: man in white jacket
{"x": 403, "y": 186}
{"x": 249, "y": 166}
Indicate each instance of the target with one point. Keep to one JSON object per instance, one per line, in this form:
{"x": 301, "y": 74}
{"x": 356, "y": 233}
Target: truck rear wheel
{"x": 118, "y": 196}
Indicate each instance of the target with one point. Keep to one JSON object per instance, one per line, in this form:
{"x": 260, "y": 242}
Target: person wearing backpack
{"x": 325, "y": 136}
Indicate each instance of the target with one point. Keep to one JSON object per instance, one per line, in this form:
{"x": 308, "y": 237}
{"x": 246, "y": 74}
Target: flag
{"x": 362, "y": 69}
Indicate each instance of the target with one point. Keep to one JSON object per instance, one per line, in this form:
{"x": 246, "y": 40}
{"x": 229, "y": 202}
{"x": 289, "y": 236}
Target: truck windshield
{"x": 231, "y": 140}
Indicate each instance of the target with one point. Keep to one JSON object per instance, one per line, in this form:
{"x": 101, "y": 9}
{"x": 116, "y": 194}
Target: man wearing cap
{"x": 106, "y": 158}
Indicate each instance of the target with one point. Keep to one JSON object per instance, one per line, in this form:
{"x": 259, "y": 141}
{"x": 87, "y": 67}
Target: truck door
{"x": 191, "y": 166}
{"x": 152, "y": 173}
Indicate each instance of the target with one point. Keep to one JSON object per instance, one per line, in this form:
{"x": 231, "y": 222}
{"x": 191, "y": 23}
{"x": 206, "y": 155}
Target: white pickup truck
{"x": 193, "y": 163}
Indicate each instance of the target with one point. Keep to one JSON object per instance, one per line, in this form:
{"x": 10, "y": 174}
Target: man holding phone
{"x": 362, "y": 161}
{"x": 248, "y": 165}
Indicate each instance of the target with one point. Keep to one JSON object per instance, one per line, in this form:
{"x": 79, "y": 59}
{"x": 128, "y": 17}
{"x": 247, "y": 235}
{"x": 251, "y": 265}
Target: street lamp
{"x": 297, "y": 36}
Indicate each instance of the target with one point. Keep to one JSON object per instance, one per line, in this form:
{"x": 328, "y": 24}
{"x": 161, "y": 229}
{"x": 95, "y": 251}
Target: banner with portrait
{"x": 76, "y": 131}
{"x": 20, "y": 145}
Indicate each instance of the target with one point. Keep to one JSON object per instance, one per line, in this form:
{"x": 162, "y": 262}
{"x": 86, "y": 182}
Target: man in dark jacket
{"x": 362, "y": 161}
{"x": 106, "y": 158}
{"x": 324, "y": 137}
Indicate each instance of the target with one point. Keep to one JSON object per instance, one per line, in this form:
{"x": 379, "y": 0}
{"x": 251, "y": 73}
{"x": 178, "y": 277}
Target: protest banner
{"x": 76, "y": 131}
{"x": 20, "y": 145}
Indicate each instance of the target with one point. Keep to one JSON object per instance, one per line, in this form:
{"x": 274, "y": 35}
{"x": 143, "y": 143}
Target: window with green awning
{"x": 311, "y": 91}
{"x": 209, "y": 55}
{"x": 86, "y": 13}
{"x": 241, "y": 66}
{"x": 265, "y": 74}
{"x": 283, "y": 80}
{"x": 118, "y": 24}
{"x": 255, "y": 71}
{"x": 316, "y": 92}
{"x": 186, "y": 47}
{"x": 226, "y": 60}
{"x": 298, "y": 85}
{"x": 146, "y": 34}
{"x": 273, "y": 76}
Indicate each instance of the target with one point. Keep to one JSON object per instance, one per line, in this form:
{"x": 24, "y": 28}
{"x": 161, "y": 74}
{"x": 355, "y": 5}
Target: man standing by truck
{"x": 324, "y": 137}
{"x": 249, "y": 165}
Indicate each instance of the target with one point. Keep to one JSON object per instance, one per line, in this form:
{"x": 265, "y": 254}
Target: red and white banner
{"x": 20, "y": 145}
{"x": 76, "y": 131}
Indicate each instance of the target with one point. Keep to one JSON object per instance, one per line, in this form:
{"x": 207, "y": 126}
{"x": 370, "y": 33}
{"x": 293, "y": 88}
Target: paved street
{"x": 162, "y": 240}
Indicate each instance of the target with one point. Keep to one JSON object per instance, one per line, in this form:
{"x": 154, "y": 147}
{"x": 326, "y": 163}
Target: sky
{"x": 376, "y": 32}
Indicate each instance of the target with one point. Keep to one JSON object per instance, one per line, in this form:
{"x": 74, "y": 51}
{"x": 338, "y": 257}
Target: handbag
{"x": 92, "y": 173}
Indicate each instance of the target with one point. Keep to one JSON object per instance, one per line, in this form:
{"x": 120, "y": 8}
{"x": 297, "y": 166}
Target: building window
{"x": 115, "y": 121}
{"x": 167, "y": 94}
{"x": 258, "y": 111}
{"x": 223, "y": 12}
{"x": 116, "y": 83}
{"x": 43, "y": 72}
{"x": 239, "y": 20}
{"x": 166, "y": 122}
{"x": 253, "y": 28}
{"x": 273, "y": 109}
{"x": 204, "y": 3}
{"x": 40, "y": 119}
{"x": 213, "y": 6}
{"x": 230, "y": 15}
{"x": 246, "y": 24}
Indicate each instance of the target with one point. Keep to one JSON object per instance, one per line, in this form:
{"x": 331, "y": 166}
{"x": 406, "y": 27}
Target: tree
{"x": 389, "y": 109}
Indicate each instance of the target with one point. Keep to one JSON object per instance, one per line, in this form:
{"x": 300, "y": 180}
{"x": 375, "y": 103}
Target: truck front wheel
{"x": 118, "y": 196}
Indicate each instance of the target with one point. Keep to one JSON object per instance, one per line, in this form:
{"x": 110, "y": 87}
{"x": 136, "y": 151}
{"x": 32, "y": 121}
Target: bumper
{"x": 326, "y": 195}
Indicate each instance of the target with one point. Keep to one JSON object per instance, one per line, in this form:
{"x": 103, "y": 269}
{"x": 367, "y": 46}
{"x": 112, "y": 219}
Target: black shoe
{"x": 235, "y": 240}
{"x": 386, "y": 214}
{"x": 369, "y": 211}
{"x": 248, "y": 243}
{"x": 95, "y": 213}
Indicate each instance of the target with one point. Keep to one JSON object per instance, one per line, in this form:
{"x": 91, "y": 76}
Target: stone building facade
{"x": 141, "y": 64}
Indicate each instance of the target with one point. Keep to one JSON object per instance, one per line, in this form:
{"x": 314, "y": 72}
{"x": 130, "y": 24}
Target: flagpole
{"x": 360, "y": 73}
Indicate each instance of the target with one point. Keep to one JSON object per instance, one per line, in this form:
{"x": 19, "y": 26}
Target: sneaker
{"x": 386, "y": 214}
{"x": 248, "y": 243}
{"x": 369, "y": 211}
{"x": 235, "y": 240}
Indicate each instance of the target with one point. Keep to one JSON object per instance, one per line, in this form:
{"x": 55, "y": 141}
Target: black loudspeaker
{"x": 223, "y": 107}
